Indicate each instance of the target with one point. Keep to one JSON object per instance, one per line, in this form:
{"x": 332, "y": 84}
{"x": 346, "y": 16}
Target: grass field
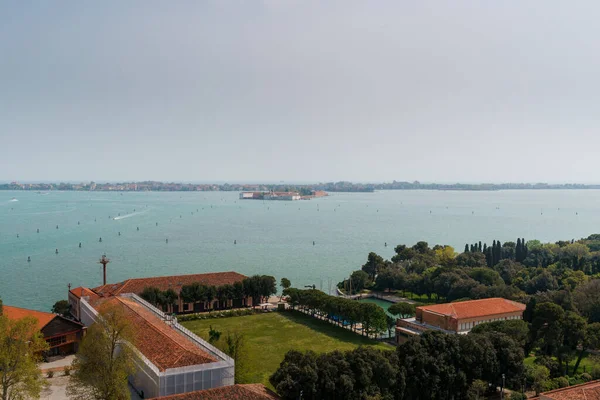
{"x": 587, "y": 363}
{"x": 270, "y": 335}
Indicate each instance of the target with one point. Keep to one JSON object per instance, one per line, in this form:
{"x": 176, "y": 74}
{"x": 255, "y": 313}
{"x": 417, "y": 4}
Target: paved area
{"x": 58, "y": 364}
{"x": 57, "y": 389}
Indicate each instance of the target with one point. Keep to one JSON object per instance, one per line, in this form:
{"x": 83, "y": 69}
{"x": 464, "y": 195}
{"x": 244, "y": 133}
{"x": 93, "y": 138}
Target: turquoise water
{"x": 381, "y": 303}
{"x": 272, "y": 237}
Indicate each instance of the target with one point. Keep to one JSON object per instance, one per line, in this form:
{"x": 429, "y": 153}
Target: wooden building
{"x": 62, "y": 335}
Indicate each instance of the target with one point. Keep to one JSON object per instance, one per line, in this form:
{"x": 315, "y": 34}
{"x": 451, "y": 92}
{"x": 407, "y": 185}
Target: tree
{"x": 170, "y": 297}
{"x": 152, "y": 295}
{"x": 591, "y": 341}
{"x": 391, "y": 324}
{"x": 404, "y": 310}
{"x": 517, "y": 329}
{"x": 62, "y": 307}
{"x": 105, "y": 358}
{"x": 587, "y": 299}
{"x": 539, "y": 376}
{"x": 1, "y": 307}
{"x": 547, "y": 326}
{"x": 359, "y": 280}
{"x": 268, "y": 286}
{"x": 296, "y": 376}
{"x": 235, "y": 347}
{"x": 285, "y": 284}
{"x": 477, "y": 389}
{"x": 21, "y": 345}
{"x": 445, "y": 255}
{"x": 213, "y": 335}
{"x": 374, "y": 263}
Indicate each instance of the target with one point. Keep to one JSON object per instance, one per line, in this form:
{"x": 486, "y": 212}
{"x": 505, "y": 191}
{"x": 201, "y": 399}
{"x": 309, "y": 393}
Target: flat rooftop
{"x": 163, "y": 345}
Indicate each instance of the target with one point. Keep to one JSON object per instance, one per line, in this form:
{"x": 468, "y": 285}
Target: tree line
{"x": 340, "y": 310}
{"x": 434, "y": 365}
{"x": 256, "y": 286}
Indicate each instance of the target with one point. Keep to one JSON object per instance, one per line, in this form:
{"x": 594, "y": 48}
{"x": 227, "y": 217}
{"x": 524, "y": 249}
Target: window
{"x": 57, "y": 341}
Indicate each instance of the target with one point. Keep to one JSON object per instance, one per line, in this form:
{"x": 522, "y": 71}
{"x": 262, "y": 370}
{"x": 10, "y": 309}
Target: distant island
{"x": 304, "y": 189}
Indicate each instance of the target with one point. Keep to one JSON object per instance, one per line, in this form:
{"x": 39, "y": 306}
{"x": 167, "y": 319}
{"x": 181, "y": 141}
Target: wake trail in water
{"x": 130, "y": 215}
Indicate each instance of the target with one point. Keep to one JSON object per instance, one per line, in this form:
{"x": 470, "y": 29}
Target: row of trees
{"x": 434, "y": 365}
{"x": 257, "y": 287}
{"x": 340, "y": 310}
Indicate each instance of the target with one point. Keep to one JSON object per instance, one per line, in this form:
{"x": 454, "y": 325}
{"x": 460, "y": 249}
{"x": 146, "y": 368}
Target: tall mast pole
{"x": 104, "y": 260}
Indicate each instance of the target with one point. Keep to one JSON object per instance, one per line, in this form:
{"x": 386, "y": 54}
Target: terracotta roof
{"x": 475, "y": 308}
{"x": 584, "y": 391}
{"x": 14, "y": 313}
{"x": 83, "y": 291}
{"x": 234, "y": 392}
{"x": 157, "y": 341}
{"x": 175, "y": 282}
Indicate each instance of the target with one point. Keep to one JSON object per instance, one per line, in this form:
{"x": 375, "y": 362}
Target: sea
{"x": 311, "y": 242}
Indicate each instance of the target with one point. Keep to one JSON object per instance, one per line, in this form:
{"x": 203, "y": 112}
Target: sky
{"x": 366, "y": 91}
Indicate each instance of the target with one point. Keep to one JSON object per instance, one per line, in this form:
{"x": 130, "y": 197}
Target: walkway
{"x": 58, "y": 365}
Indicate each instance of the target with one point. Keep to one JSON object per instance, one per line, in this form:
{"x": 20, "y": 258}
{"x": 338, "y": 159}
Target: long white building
{"x": 170, "y": 359}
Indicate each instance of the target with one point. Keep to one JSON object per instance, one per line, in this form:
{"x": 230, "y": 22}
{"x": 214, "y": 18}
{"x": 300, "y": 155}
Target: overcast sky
{"x": 441, "y": 91}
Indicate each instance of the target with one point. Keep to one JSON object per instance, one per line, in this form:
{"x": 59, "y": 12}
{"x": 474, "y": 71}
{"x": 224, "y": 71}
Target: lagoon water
{"x": 272, "y": 237}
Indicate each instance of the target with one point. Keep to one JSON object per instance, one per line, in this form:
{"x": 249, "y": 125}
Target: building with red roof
{"x": 62, "y": 335}
{"x": 169, "y": 358}
{"x": 233, "y": 392}
{"x": 174, "y": 282}
{"x": 584, "y": 391}
{"x": 459, "y": 317}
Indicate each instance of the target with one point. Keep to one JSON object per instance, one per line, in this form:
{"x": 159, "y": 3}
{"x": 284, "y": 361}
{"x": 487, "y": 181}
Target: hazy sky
{"x": 300, "y": 90}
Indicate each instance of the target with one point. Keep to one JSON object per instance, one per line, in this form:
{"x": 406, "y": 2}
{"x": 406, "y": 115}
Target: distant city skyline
{"x": 300, "y": 91}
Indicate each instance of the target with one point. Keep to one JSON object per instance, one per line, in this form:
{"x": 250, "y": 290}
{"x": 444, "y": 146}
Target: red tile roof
{"x": 234, "y": 392}
{"x": 175, "y": 282}
{"x": 585, "y": 391}
{"x": 15, "y": 313}
{"x": 475, "y": 308}
{"x": 83, "y": 291}
{"x": 158, "y": 342}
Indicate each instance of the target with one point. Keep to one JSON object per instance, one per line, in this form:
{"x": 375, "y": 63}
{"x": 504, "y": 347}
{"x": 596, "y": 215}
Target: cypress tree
{"x": 485, "y": 247}
{"x": 488, "y": 256}
{"x": 494, "y": 251}
{"x": 499, "y": 251}
{"x": 524, "y": 248}
{"x": 480, "y": 246}
{"x": 518, "y": 252}
{"x": 466, "y": 248}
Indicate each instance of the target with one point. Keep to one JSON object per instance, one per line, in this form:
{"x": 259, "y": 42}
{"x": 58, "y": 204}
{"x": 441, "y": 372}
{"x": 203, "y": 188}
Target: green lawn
{"x": 270, "y": 335}
{"x": 586, "y": 362}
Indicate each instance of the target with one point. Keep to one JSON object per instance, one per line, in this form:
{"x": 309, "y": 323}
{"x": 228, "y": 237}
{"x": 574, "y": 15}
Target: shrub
{"x": 586, "y": 377}
{"x": 50, "y": 374}
{"x": 561, "y": 382}
{"x": 218, "y": 314}
{"x": 67, "y": 371}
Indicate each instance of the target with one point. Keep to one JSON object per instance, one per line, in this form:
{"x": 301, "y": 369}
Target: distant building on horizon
{"x": 459, "y": 317}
